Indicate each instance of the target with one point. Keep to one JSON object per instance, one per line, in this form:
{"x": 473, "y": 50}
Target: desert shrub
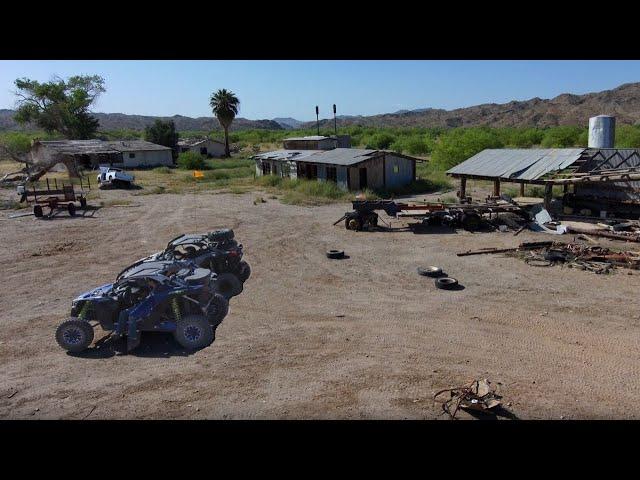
{"x": 458, "y": 145}
{"x": 191, "y": 161}
{"x": 381, "y": 141}
{"x": 562, "y": 137}
{"x": 163, "y": 169}
{"x": 628, "y": 136}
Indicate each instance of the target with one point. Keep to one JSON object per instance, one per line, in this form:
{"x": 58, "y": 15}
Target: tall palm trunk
{"x": 227, "y": 152}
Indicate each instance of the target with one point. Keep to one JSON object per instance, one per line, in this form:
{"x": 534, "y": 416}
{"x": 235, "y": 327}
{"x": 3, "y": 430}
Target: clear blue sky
{"x": 269, "y": 89}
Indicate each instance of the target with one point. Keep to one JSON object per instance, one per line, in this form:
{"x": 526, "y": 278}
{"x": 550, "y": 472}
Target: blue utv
{"x": 156, "y": 296}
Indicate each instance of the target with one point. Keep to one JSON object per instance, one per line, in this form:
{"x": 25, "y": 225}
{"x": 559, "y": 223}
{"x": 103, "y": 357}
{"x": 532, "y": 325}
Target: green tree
{"x": 163, "y": 133}
{"x": 562, "y": 137}
{"x": 225, "y": 107}
{"x": 60, "y": 106}
{"x": 191, "y": 161}
{"x": 462, "y": 143}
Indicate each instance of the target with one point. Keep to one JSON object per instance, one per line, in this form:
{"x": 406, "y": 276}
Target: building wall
{"x": 399, "y": 171}
{"x": 375, "y": 174}
{"x": 341, "y": 177}
{"x": 214, "y": 149}
{"x": 151, "y": 158}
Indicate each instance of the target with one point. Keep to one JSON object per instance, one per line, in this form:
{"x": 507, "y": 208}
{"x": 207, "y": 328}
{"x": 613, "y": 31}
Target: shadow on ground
{"x": 493, "y": 414}
{"x": 152, "y": 345}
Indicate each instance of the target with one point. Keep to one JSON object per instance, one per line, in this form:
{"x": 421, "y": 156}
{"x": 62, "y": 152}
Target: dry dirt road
{"x": 312, "y": 338}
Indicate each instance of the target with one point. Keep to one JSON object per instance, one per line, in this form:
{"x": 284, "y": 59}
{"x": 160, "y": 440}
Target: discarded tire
{"x": 446, "y": 283}
{"x": 194, "y": 332}
{"x": 335, "y": 254}
{"x": 74, "y": 335}
{"x": 430, "y": 271}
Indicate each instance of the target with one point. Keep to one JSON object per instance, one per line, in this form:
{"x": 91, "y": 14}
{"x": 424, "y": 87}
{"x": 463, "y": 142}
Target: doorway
{"x": 363, "y": 178}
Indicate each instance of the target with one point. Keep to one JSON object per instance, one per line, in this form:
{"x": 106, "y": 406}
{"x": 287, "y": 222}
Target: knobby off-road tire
{"x": 218, "y": 309}
{"x": 245, "y": 271}
{"x": 71, "y": 208}
{"x": 74, "y": 335}
{"x": 194, "y": 332}
{"x": 228, "y": 285}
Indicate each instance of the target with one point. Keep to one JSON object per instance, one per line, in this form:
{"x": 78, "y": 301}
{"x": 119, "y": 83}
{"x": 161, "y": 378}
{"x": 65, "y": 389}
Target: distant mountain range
{"x": 117, "y": 121}
{"x": 567, "y": 109}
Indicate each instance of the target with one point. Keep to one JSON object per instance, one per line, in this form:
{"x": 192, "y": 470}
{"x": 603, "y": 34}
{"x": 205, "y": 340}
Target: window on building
{"x": 332, "y": 174}
{"x": 396, "y": 169}
{"x": 132, "y": 155}
{"x": 203, "y": 150}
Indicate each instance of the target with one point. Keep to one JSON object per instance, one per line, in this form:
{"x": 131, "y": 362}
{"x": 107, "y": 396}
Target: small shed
{"x": 203, "y": 146}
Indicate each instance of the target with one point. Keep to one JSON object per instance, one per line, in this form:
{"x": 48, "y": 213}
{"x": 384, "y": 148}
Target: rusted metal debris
{"x": 479, "y": 395}
{"x": 522, "y": 246}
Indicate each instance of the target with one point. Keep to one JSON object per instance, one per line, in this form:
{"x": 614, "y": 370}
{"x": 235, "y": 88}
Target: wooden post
{"x": 463, "y": 188}
{"x": 548, "y": 190}
{"x": 496, "y": 188}
{"x": 522, "y": 189}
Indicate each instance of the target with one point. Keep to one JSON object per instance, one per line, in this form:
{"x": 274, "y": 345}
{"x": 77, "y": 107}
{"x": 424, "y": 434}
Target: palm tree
{"x": 225, "y": 107}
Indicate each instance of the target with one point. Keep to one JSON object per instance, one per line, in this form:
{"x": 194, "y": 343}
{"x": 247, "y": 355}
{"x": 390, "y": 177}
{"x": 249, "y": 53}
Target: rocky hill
{"x": 565, "y": 109}
{"x": 117, "y": 121}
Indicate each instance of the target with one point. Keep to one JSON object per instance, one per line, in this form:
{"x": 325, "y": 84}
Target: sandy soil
{"x": 364, "y": 337}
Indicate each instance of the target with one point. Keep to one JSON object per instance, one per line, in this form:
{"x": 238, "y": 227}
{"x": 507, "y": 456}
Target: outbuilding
{"x": 350, "y": 168}
{"x": 91, "y": 153}
{"x": 203, "y": 146}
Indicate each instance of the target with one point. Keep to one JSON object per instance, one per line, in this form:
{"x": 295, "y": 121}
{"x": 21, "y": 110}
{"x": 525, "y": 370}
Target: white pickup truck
{"x": 115, "y": 176}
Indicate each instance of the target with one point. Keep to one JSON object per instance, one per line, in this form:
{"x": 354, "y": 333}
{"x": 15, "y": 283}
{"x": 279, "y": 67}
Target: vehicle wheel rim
{"x": 192, "y": 333}
{"x": 353, "y": 224}
{"x": 73, "y": 336}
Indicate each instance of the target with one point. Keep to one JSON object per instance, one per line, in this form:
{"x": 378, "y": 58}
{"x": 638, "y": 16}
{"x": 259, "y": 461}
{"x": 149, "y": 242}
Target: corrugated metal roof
{"x": 337, "y": 156}
{"x": 521, "y": 163}
{"x": 310, "y": 137}
{"x": 192, "y": 142}
{"x": 99, "y": 146}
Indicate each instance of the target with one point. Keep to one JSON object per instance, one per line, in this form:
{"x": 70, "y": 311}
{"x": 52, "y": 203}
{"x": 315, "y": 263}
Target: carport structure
{"x": 523, "y": 166}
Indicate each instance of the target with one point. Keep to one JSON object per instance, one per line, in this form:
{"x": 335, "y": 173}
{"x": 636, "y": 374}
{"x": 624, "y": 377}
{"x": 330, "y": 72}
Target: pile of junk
{"x": 184, "y": 289}
{"x": 495, "y": 214}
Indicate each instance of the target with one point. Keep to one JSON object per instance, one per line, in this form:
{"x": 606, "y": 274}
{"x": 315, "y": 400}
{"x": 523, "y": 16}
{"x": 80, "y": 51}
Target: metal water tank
{"x": 602, "y": 131}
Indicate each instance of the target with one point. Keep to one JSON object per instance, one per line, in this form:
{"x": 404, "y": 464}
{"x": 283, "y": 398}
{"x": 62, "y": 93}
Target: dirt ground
{"x": 313, "y": 338}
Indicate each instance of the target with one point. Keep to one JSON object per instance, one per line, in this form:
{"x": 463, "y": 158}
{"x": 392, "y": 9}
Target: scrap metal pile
{"x": 593, "y": 258}
{"x": 492, "y": 215}
{"x": 478, "y": 395}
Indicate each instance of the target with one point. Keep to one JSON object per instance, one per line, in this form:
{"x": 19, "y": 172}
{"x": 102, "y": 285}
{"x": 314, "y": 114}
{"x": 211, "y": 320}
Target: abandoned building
{"x": 599, "y": 177}
{"x": 320, "y": 158}
{"x": 91, "y": 153}
{"x": 203, "y": 146}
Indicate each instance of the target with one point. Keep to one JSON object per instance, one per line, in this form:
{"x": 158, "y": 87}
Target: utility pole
{"x": 335, "y": 124}
{"x": 318, "y": 120}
